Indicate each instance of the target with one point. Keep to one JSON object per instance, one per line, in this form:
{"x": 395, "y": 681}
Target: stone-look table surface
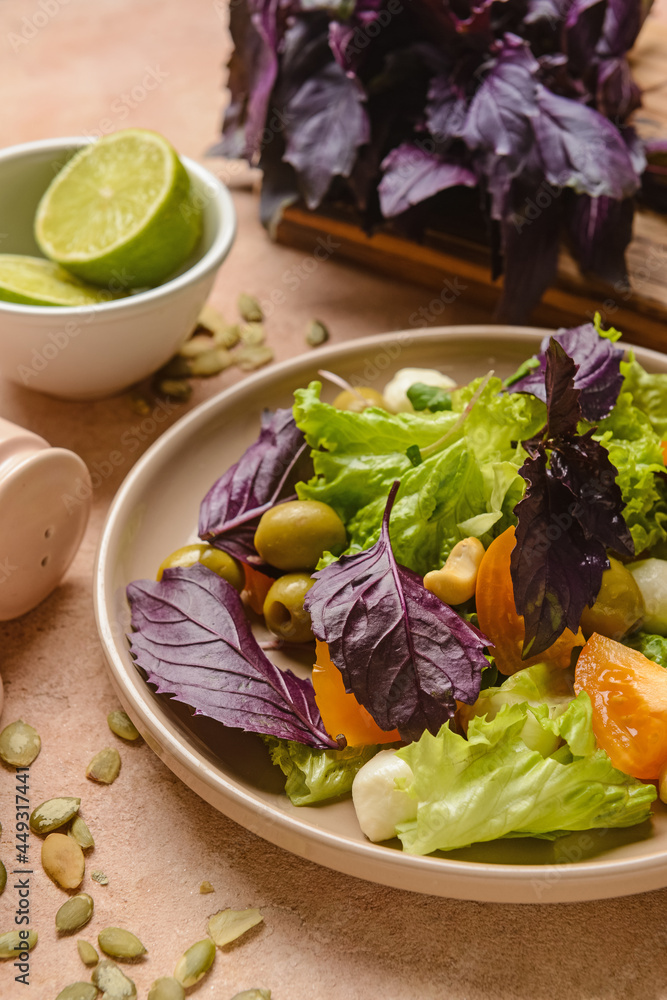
{"x": 70, "y": 68}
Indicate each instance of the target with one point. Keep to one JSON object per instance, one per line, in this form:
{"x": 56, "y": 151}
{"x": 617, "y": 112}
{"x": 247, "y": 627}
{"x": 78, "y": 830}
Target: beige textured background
{"x": 325, "y": 935}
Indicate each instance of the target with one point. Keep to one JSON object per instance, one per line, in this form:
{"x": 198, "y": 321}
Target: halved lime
{"x": 121, "y": 213}
{"x": 33, "y": 281}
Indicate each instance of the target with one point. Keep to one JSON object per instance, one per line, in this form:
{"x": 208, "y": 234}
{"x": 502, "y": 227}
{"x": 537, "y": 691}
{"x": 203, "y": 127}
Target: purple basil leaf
{"x": 411, "y": 175}
{"x": 562, "y": 398}
{"x": 551, "y": 11}
{"x": 600, "y": 230}
{"x": 266, "y": 473}
{"x": 404, "y": 654}
{"x": 617, "y": 94}
{"x": 446, "y": 108}
{"x": 530, "y": 245}
{"x": 622, "y": 22}
{"x": 194, "y": 642}
{"x": 325, "y": 125}
{"x": 598, "y": 377}
{"x": 555, "y": 570}
{"x": 583, "y": 28}
{"x": 579, "y": 148}
{"x": 500, "y": 113}
{"x": 584, "y": 465}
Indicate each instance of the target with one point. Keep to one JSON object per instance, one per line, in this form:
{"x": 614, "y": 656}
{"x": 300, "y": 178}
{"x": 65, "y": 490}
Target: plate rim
{"x": 388, "y": 865}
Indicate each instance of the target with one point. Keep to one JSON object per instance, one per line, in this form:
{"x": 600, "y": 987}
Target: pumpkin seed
{"x": 119, "y": 943}
{"x": 113, "y": 982}
{"x": 211, "y": 319}
{"x": 253, "y": 334}
{"x": 211, "y": 362}
{"x": 87, "y": 953}
{"x": 175, "y": 388}
{"x": 121, "y": 724}
{"x": 74, "y": 913}
{"x": 255, "y": 994}
{"x": 228, "y": 925}
{"x": 3, "y": 878}
{"x": 195, "y": 962}
{"x": 79, "y": 831}
{"x": 198, "y": 343}
{"x": 139, "y": 404}
{"x": 206, "y": 887}
{"x": 250, "y": 358}
{"x": 166, "y": 988}
{"x": 19, "y": 744}
{"x": 316, "y": 333}
{"x": 63, "y": 861}
{"x": 53, "y": 813}
{"x": 228, "y": 335}
{"x": 14, "y": 942}
{"x": 100, "y": 878}
{"x": 249, "y": 308}
{"x": 104, "y": 767}
{"x": 78, "y": 991}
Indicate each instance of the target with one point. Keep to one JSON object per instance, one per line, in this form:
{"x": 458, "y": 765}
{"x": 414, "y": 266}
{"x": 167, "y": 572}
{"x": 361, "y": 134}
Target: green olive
{"x": 619, "y": 608}
{"x": 294, "y": 535}
{"x": 283, "y": 608}
{"x": 348, "y": 400}
{"x": 216, "y": 560}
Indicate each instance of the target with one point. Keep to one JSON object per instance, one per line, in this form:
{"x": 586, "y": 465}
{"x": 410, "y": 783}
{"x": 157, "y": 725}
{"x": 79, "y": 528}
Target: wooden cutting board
{"x": 641, "y": 313}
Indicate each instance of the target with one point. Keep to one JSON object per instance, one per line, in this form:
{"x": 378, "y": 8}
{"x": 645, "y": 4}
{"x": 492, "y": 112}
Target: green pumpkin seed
{"x": 211, "y": 319}
{"x": 253, "y": 334}
{"x": 255, "y": 994}
{"x": 19, "y": 744}
{"x": 175, "y": 388}
{"x": 104, "y": 767}
{"x": 3, "y": 878}
{"x": 119, "y": 943}
{"x": 139, "y": 404}
{"x": 74, "y": 913}
{"x": 63, "y": 861}
{"x": 177, "y": 367}
{"x": 210, "y": 362}
{"x": 197, "y": 344}
{"x": 100, "y": 878}
{"x": 228, "y": 925}
{"x": 87, "y": 953}
{"x": 113, "y": 982}
{"x": 250, "y": 358}
{"x": 316, "y": 333}
{"x": 121, "y": 724}
{"x": 53, "y": 813}
{"x": 249, "y": 308}
{"x": 206, "y": 887}
{"x": 79, "y": 831}
{"x": 166, "y": 988}
{"x": 78, "y": 991}
{"x": 14, "y": 942}
{"x": 227, "y": 335}
{"x": 195, "y": 963}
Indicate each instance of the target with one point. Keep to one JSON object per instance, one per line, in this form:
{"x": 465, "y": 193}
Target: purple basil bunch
{"x": 508, "y": 115}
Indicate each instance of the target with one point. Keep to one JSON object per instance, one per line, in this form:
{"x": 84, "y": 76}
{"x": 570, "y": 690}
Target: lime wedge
{"x": 121, "y": 213}
{"x": 33, "y": 281}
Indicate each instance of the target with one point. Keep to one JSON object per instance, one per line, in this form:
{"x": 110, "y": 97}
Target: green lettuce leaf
{"x": 313, "y": 776}
{"x": 634, "y": 448}
{"x": 469, "y": 486}
{"x": 654, "y": 647}
{"x": 546, "y": 688}
{"x": 649, "y": 393}
{"x": 492, "y": 785}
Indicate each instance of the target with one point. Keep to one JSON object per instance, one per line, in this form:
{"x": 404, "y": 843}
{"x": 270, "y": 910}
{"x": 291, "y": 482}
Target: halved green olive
{"x": 284, "y": 612}
{"x": 347, "y": 400}
{"x": 294, "y": 535}
{"x": 216, "y": 560}
{"x": 619, "y": 608}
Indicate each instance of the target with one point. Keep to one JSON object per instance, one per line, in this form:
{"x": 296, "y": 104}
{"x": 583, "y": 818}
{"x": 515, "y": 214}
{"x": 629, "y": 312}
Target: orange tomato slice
{"x": 629, "y": 696}
{"x": 257, "y": 586}
{"x": 498, "y": 618}
{"x": 341, "y": 712}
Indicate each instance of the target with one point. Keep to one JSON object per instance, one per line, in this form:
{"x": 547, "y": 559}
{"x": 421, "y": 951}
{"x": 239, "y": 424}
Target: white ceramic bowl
{"x": 90, "y": 352}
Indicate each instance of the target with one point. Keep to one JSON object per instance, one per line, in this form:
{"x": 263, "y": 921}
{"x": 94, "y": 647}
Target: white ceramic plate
{"x": 155, "y": 511}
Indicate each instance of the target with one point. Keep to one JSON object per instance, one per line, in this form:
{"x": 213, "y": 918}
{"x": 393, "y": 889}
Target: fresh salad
{"x": 481, "y": 573}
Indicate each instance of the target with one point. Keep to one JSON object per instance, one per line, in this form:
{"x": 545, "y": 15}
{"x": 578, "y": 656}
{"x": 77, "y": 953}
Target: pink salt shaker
{"x": 44, "y": 505}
